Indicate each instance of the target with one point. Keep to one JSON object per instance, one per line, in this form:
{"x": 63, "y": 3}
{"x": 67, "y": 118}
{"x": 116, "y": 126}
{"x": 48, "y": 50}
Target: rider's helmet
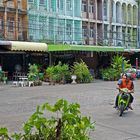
{"x": 128, "y": 75}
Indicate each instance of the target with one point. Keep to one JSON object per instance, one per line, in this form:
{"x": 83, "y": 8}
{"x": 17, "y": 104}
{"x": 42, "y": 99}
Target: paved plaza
{"x": 96, "y": 100}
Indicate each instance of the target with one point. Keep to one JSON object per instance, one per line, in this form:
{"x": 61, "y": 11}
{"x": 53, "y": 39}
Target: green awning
{"x": 132, "y": 50}
{"x": 61, "y": 47}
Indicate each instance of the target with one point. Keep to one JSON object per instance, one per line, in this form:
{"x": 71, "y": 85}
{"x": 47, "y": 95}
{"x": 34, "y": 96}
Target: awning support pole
{"x": 50, "y": 59}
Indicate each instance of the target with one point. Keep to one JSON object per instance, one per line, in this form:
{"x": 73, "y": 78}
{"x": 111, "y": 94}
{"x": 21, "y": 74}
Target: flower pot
{"x": 73, "y": 77}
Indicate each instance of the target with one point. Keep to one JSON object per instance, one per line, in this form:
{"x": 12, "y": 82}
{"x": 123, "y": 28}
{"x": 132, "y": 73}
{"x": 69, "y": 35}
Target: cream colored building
{"x": 110, "y": 22}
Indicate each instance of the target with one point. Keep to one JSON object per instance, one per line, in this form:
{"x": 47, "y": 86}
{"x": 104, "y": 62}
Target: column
{"x": 114, "y": 12}
{"x": 5, "y": 19}
{"x": 110, "y": 22}
{"x": 16, "y": 20}
{"x": 138, "y": 30}
{"x": 73, "y": 9}
{"x": 73, "y": 30}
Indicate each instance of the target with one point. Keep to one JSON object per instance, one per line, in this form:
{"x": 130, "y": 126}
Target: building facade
{"x": 55, "y": 21}
{"x": 110, "y": 22}
{"x": 13, "y": 20}
{"x": 91, "y": 22}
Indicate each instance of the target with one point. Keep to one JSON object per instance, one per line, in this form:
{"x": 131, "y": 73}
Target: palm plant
{"x": 80, "y": 69}
{"x": 119, "y": 64}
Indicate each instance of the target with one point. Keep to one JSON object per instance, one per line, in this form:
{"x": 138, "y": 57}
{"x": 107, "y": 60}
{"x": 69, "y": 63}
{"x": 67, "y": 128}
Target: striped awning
{"x": 24, "y": 46}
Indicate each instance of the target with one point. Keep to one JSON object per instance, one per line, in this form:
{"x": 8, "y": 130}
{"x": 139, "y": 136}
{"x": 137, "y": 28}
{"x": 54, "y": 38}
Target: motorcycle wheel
{"x": 121, "y": 109}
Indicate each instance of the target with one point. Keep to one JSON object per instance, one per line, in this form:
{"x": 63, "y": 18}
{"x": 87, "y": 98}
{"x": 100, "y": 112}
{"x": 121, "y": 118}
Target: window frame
{"x": 91, "y": 33}
{"x": 68, "y": 29}
{"x": 41, "y": 3}
{"x": 84, "y": 7}
{"x": 1, "y": 23}
{"x": 30, "y": 1}
{"x": 11, "y": 24}
{"x": 69, "y": 5}
{"x": 91, "y": 9}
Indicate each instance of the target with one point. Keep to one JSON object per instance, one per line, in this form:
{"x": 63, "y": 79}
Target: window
{"x": 91, "y": 9}
{"x": 51, "y": 5}
{"x": 105, "y": 32}
{"x": 60, "y": 30}
{"x": 84, "y": 32}
{"x": 31, "y": 1}
{"x": 19, "y": 24}
{"x": 42, "y": 2}
{"x": 10, "y": 24}
{"x": 69, "y": 6}
{"x": 69, "y": 29}
{"x": 91, "y": 32}
{"x": 1, "y": 23}
{"x": 84, "y": 7}
{"x": 105, "y": 8}
{"x": 60, "y": 4}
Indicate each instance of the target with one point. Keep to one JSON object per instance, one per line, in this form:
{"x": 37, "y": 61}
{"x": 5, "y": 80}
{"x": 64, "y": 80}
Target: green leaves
{"x": 61, "y": 72}
{"x": 58, "y": 73}
{"x": 33, "y": 72}
{"x": 117, "y": 63}
{"x": 82, "y": 72}
{"x": 113, "y": 72}
{"x": 3, "y": 131}
{"x": 69, "y": 125}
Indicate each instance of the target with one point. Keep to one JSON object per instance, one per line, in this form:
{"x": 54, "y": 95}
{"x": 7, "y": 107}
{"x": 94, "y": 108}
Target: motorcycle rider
{"x": 126, "y": 82}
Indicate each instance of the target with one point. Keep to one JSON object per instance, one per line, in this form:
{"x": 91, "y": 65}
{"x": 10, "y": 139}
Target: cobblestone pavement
{"x": 96, "y": 100}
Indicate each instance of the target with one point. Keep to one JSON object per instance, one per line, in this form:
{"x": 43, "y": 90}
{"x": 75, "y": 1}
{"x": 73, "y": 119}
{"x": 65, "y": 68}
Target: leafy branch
{"x": 68, "y": 125}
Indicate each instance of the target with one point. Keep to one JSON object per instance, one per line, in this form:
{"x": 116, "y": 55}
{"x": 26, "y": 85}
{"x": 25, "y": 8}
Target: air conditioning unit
{"x": 74, "y": 43}
{"x": 66, "y": 42}
{"x": 119, "y": 43}
{"x": 128, "y": 45}
{"x": 80, "y": 43}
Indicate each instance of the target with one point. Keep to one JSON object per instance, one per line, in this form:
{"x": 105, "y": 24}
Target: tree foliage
{"x": 118, "y": 65}
{"x": 66, "y": 124}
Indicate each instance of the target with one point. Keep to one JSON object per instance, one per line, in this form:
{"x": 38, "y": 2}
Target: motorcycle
{"x": 123, "y": 100}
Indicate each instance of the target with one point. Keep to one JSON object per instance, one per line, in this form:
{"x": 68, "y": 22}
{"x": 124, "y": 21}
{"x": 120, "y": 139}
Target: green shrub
{"x": 82, "y": 72}
{"x": 117, "y": 63}
{"x": 59, "y": 73}
{"x": 113, "y": 72}
{"x": 66, "y": 124}
{"x": 2, "y": 76}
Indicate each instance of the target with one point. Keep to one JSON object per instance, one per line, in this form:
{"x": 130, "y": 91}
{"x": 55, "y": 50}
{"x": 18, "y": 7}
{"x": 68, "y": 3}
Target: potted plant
{"x": 33, "y": 75}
